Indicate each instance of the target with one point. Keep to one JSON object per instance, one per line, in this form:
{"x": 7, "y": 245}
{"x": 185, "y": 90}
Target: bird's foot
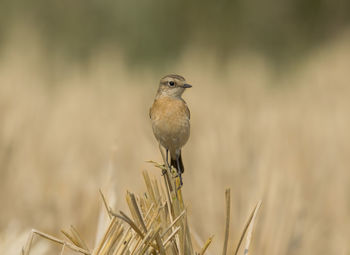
{"x": 164, "y": 171}
{"x": 173, "y": 172}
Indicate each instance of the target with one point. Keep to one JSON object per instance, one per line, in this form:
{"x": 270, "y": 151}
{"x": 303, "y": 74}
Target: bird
{"x": 170, "y": 119}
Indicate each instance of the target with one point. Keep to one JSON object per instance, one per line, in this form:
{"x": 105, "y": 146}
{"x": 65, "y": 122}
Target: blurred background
{"x": 269, "y": 113}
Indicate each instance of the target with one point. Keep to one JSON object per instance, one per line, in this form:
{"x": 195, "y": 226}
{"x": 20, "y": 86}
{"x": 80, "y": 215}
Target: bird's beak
{"x": 186, "y": 86}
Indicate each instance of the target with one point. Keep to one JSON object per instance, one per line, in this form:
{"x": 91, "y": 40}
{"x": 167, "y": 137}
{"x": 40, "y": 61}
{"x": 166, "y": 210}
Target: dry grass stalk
{"x": 249, "y": 224}
{"x": 250, "y": 228}
{"x": 227, "y": 225}
{"x": 157, "y": 225}
{"x": 105, "y": 204}
{"x": 75, "y": 237}
{"x": 206, "y": 245}
{"x": 26, "y": 248}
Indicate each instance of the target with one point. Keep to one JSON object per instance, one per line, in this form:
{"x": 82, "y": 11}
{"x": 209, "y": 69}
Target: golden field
{"x": 280, "y": 135}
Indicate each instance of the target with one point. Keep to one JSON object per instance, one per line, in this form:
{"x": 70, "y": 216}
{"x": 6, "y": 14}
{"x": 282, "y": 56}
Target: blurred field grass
{"x": 67, "y": 130}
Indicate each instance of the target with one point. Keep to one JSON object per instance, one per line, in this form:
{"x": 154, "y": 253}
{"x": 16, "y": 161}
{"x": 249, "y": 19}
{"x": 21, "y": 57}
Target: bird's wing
{"x": 188, "y": 113}
{"x": 151, "y": 109}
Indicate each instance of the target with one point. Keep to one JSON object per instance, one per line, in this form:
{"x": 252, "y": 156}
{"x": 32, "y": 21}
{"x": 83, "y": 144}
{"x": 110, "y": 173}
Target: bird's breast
{"x": 170, "y": 122}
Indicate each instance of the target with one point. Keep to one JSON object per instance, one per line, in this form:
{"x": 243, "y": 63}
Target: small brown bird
{"x": 170, "y": 118}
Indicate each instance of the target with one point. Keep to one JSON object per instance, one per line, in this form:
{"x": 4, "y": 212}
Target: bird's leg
{"x": 179, "y": 171}
{"x": 165, "y": 168}
{"x": 166, "y": 157}
{"x": 166, "y": 161}
{"x": 165, "y": 172}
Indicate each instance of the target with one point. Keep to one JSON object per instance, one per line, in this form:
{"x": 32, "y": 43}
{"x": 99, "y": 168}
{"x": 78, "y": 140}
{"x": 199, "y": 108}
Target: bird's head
{"x": 172, "y": 85}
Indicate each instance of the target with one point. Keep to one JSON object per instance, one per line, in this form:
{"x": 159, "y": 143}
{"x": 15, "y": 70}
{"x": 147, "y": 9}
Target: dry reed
{"x": 158, "y": 224}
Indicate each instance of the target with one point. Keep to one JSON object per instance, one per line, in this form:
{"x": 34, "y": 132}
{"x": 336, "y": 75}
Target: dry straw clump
{"x": 158, "y": 224}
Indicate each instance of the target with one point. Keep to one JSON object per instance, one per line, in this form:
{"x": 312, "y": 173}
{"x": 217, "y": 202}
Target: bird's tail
{"x": 179, "y": 167}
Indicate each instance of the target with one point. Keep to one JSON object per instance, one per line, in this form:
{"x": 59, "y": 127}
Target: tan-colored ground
{"x": 66, "y": 131}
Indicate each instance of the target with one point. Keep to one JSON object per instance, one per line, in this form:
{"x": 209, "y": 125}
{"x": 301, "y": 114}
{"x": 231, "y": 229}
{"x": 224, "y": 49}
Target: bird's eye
{"x": 171, "y": 83}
